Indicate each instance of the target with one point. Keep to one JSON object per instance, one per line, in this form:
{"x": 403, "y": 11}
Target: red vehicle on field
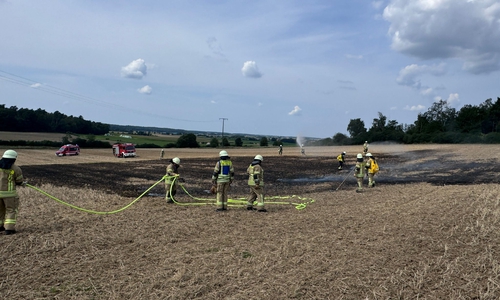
{"x": 68, "y": 149}
{"x": 124, "y": 150}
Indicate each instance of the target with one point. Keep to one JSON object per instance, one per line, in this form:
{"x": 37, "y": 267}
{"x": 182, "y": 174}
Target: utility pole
{"x": 223, "y": 119}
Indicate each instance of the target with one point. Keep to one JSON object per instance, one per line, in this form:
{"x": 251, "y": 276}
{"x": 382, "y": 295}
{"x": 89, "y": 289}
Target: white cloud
{"x": 135, "y": 70}
{"x": 415, "y": 107}
{"x": 427, "y": 91}
{"x": 441, "y": 29}
{"x": 453, "y": 98}
{"x": 145, "y": 90}
{"x": 409, "y": 75}
{"x": 296, "y": 111}
{"x": 36, "y": 85}
{"x": 250, "y": 70}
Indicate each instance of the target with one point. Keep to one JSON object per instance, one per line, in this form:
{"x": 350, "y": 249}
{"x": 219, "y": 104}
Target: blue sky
{"x": 290, "y": 68}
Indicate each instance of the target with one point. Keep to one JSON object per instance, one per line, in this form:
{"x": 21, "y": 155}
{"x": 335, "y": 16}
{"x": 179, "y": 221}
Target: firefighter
{"x": 359, "y": 172}
{"x": 256, "y": 184}
{"x": 302, "y": 150}
{"x": 10, "y": 176}
{"x": 172, "y": 178}
{"x": 365, "y": 147}
{"x": 341, "y": 159}
{"x": 280, "y": 152}
{"x": 162, "y": 152}
{"x": 223, "y": 177}
{"x": 371, "y": 169}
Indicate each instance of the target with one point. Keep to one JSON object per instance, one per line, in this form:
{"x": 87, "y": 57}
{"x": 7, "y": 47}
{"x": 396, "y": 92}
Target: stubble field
{"x": 428, "y": 230}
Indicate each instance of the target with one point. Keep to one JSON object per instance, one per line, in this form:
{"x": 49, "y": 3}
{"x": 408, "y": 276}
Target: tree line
{"x": 440, "y": 124}
{"x": 28, "y": 120}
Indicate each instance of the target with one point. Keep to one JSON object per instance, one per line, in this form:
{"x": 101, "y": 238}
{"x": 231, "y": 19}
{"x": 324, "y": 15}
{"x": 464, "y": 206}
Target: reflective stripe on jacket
{"x": 8, "y": 180}
{"x": 360, "y": 169}
{"x": 223, "y": 171}
{"x": 255, "y": 175}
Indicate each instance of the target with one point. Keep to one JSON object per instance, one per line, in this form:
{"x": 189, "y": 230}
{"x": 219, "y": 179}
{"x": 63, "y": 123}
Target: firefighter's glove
{"x": 213, "y": 189}
{"x": 24, "y": 183}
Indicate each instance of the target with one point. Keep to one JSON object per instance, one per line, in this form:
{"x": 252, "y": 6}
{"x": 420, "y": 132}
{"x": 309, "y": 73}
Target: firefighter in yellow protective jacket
{"x": 10, "y": 176}
{"x": 341, "y": 159}
{"x": 365, "y": 147}
{"x": 371, "y": 169}
{"x": 223, "y": 176}
{"x": 172, "y": 179}
{"x": 359, "y": 172}
{"x": 256, "y": 184}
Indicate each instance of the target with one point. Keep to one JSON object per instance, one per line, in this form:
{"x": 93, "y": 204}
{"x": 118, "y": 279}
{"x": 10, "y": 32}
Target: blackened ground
{"x": 292, "y": 175}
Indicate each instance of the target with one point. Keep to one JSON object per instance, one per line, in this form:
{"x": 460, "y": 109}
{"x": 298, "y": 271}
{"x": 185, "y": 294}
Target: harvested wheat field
{"x": 428, "y": 230}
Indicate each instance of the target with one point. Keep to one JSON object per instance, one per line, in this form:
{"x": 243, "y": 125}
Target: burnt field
{"x": 282, "y": 174}
{"x": 428, "y": 230}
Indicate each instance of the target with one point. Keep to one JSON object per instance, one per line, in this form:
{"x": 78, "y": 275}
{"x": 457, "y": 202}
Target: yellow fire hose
{"x": 236, "y": 202}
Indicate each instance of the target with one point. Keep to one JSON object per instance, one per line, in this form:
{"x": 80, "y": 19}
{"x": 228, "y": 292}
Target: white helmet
{"x": 281, "y": 145}
{"x": 369, "y": 154}
{"x": 259, "y": 157}
{"x": 344, "y": 153}
{"x": 359, "y": 155}
{"x": 176, "y": 160}
{"x": 223, "y": 153}
{"x": 10, "y": 154}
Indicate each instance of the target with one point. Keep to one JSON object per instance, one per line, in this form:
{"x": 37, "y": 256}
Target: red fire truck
{"x": 124, "y": 150}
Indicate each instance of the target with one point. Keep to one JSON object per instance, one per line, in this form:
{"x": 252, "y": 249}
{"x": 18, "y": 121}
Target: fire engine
{"x": 68, "y": 149}
{"x": 124, "y": 150}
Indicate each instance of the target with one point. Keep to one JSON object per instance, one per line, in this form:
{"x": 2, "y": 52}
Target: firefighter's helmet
{"x": 369, "y": 154}
{"x": 359, "y": 155}
{"x": 223, "y": 153}
{"x": 10, "y": 154}
{"x": 258, "y": 157}
{"x": 176, "y": 160}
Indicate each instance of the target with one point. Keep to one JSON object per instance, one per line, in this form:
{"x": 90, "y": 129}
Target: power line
{"x": 19, "y": 80}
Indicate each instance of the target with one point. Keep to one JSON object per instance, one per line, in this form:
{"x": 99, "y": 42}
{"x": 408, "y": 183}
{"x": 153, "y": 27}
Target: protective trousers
{"x": 360, "y": 183}
{"x": 169, "y": 197}
{"x": 256, "y": 193}
{"x": 9, "y": 208}
{"x": 371, "y": 182}
{"x": 222, "y": 191}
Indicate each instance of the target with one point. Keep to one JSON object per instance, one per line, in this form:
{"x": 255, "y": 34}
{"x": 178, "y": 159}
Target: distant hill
{"x": 174, "y": 131}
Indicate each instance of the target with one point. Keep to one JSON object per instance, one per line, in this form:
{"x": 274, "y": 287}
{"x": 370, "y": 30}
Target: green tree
{"x": 264, "y": 142}
{"x": 356, "y": 128}
{"x": 214, "y": 143}
{"x": 340, "y": 139}
{"x": 441, "y": 116}
{"x": 238, "y": 142}
{"x": 187, "y": 141}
